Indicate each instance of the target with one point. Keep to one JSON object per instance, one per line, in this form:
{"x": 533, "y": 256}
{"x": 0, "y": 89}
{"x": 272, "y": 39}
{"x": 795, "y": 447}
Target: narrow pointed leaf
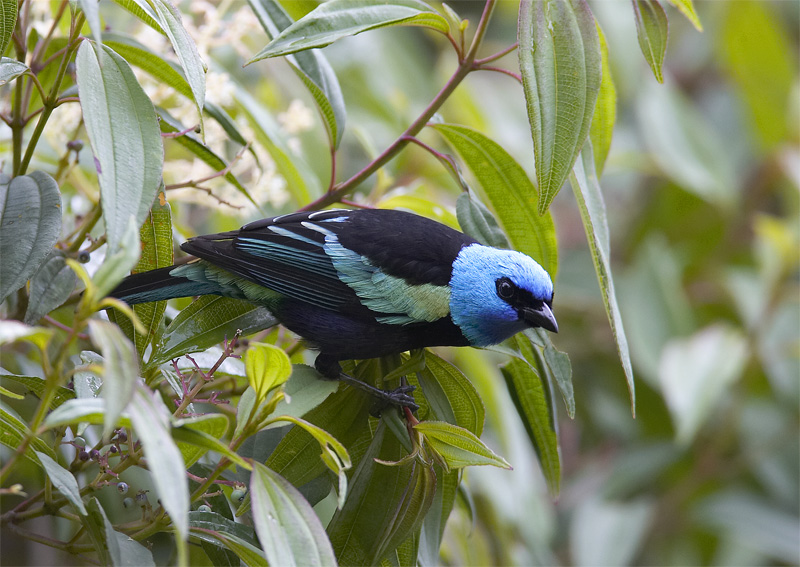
{"x": 311, "y": 66}
{"x": 476, "y": 220}
{"x": 36, "y": 385}
{"x": 686, "y": 7}
{"x": 120, "y": 369}
{"x": 13, "y": 431}
{"x": 30, "y": 224}
{"x": 142, "y": 10}
{"x": 652, "y": 29}
{"x": 605, "y": 112}
{"x": 170, "y": 20}
{"x": 98, "y": 527}
{"x": 64, "y": 481}
{"x": 8, "y": 20}
{"x": 464, "y": 405}
{"x": 156, "y": 246}
{"x": 207, "y": 322}
{"x": 533, "y": 401}
{"x": 509, "y": 191}
{"x": 289, "y": 530}
{"x": 139, "y": 56}
{"x": 118, "y": 264}
{"x": 92, "y": 13}
{"x": 595, "y": 223}
{"x": 336, "y": 19}
{"x": 559, "y": 58}
{"x": 151, "y": 420}
{"x": 250, "y": 555}
{"x": 124, "y": 133}
{"x": 458, "y": 446}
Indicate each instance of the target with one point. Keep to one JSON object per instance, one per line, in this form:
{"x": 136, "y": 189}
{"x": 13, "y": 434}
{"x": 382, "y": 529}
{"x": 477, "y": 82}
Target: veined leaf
{"x": 460, "y": 403}
{"x": 142, "y": 10}
{"x": 37, "y": 386}
{"x": 478, "y": 222}
{"x": 151, "y": 420}
{"x": 120, "y": 372}
{"x": 605, "y": 112}
{"x": 593, "y": 213}
{"x": 251, "y": 555}
{"x": 156, "y": 245}
{"x": 206, "y": 322}
{"x": 336, "y": 19}
{"x": 10, "y": 69}
{"x": 123, "y": 129}
{"x": 311, "y": 66}
{"x": 267, "y": 367}
{"x": 64, "y": 481}
{"x": 30, "y": 224}
{"x": 170, "y": 20}
{"x": 652, "y": 29}
{"x": 118, "y": 264}
{"x": 559, "y": 58}
{"x": 458, "y": 447}
{"x": 289, "y": 530}
{"x": 13, "y": 431}
{"x": 51, "y": 286}
{"x": 532, "y": 397}
{"x": 8, "y": 20}
{"x": 508, "y": 190}
{"x": 139, "y": 56}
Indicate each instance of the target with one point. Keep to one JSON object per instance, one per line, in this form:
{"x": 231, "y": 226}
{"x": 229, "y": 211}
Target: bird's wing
{"x": 358, "y": 262}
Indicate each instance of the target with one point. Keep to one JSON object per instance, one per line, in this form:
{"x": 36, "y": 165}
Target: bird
{"x": 362, "y": 284}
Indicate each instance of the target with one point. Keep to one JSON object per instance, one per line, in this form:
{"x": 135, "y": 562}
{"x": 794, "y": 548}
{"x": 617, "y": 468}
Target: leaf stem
{"x": 465, "y": 66}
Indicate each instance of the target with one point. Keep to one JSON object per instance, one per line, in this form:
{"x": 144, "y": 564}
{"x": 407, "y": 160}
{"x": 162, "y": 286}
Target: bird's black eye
{"x": 505, "y": 289}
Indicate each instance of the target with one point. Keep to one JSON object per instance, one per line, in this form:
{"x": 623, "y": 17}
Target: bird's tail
{"x": 157, "y": 285}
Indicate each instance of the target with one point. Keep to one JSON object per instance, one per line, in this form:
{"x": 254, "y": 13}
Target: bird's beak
{"x": 542, "y": 317}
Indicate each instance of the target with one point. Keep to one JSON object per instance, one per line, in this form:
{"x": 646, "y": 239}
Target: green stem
{"x": 51, "y": 102}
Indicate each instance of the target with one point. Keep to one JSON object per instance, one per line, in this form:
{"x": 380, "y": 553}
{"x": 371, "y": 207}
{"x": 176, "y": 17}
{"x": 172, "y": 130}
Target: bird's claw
{"x": 399, "y": 397}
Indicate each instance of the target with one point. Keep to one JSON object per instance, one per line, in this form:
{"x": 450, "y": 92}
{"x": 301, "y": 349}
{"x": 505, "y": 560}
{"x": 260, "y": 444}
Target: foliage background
{"x": 701, "y": 187}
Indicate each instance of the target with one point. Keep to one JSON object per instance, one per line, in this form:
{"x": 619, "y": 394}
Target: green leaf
{"x": 126, "y": 142}
{"x": 595, "y": 223}
{"x": 267, "y": 367}
{"x": 63, "y": 481}
{"x": 131, "y": 552}
{"x": 251, "y": 555}
{"x": 206, "y": 322}
{"x": 99, "y": 529}
{"x": 8, "y": 20}
{"x": 304, "y": 391}
{"x": 510, "y": 193}
{"x": 458, "y": 401}
{"x": 532, "y": 398}
{"x": 311, "y": 66}
{"x": 11, "y": 331}
{"x": 10, "y": 69}
{"x": 120, "y": 371}
{"x": 92, "y": 13}
{"x": 560, "y": 62}
{"x": 151, "y": 420}
{"x": 51, "y": 286}
{"x": 605, "y": 112}
{"x": 198, "y": 435}
{"x": 550, "y": 362}
{"x": 759, "y": 54}
{"x": 696, "y": 372}
{"x": 142, "y": 10}
{"x": 435, "y": 520}
{"x": 685, "y": 146}
{"x": 336, "y": 19}
{"x": 159, "y": 68}
{"x": 37, "y": 385}
{"x": 30, "y": 225}
{"x": 686, "y": 7}
{"x": 478, "y": 222}
{"x": 90, "y": 410}
{"x": 13, "y": 431}
{"x": 156, "y": 252}
{"x": 385, "y": 506}
{"x": 652, "y": 29}
{"x": 289, "y": 530}
{"x": 193, "y": 67}
{"x": 219, "y": 523}
{"x": 458, "y": 447}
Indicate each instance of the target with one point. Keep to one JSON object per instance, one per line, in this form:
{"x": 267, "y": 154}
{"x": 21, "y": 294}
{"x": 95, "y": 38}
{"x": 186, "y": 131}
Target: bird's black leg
{"x": 401, "y": 397}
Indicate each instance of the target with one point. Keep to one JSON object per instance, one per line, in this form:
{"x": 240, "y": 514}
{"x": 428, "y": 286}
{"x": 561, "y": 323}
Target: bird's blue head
{"x": 496, "y": 293}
